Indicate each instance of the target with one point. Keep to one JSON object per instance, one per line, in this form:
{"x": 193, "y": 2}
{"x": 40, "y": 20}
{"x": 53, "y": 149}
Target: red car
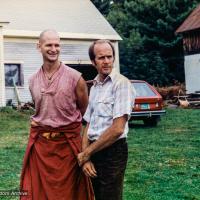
{"x": 148, "y": 103}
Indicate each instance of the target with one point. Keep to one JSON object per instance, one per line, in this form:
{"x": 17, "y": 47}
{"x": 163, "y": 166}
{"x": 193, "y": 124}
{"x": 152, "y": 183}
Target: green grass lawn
{"x": 164, "y": 161}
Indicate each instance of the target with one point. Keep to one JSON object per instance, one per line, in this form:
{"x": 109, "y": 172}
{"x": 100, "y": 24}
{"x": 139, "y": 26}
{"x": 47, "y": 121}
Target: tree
{"x": 150, "y": 49}
{"x": 103, "y": 6}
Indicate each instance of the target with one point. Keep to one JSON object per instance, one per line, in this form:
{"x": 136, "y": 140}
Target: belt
{"x": 33, "y": 123}
{"x": 48, "y": 135}
{"x": 52, "y": 135}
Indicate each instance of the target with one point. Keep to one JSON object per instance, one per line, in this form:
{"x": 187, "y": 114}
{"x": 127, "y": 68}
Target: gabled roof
{"x": 192, "y": 21}
{"x": 71, "y": 18}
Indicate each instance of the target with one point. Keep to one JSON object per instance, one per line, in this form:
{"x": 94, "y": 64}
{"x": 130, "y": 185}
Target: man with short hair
{"x": 50, "y": 169}
{"x": 104, "y": 147}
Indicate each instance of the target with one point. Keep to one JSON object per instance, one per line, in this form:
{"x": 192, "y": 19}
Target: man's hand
{"x": 82, "y": 158}
{"x": 89, "y": 169}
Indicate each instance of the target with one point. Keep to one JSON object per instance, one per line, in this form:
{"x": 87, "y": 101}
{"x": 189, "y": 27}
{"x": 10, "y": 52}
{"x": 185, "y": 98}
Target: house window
{"x": 13, "y": 72}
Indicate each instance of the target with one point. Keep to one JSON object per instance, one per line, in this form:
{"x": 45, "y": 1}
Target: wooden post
{"x": 16, "y": 93}
{"x": 2, "y": 71}
{"x": 116, "y": 63}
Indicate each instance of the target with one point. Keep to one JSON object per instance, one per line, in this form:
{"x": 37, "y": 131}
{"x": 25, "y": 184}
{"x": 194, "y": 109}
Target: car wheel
{"x": 151, "y": 121}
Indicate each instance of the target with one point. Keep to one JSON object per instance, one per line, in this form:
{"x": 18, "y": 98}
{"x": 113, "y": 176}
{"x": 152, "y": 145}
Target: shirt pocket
{"x": 105, "y": 107}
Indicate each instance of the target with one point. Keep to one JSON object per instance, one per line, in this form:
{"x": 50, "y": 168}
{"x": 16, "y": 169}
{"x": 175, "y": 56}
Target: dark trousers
{"x": 110, "y": 164}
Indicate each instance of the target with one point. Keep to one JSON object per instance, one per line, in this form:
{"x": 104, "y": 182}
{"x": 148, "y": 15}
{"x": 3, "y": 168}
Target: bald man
{"x": 50, "y": 169}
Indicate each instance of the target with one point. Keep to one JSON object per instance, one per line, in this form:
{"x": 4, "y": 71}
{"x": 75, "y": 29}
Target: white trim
{"x": 2, "y": 71}
{"x": 35, "y": 34}
{"x": 116, "y": 63}
{"x": 78, "y": 62}
{"x": 13, "y": 62}
{"x": 18, "y": 87}
{"x": 35, "y": 40}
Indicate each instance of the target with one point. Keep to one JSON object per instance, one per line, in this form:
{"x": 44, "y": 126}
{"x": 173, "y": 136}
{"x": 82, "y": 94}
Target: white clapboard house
{"x": 78, "y": 23}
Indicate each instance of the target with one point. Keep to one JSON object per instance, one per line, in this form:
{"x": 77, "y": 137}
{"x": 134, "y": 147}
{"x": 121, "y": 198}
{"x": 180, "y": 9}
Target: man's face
{"x": 103, "y": 59}
{"x": 49, "y": 46}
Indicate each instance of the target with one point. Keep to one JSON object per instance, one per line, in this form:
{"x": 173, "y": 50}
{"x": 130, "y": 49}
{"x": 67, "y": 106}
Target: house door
{"x": 88, "y": 71}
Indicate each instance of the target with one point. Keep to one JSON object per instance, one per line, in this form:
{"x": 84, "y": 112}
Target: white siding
{"x": 75, "y": 52}
{"x": 27, "y": 54}
{"x": 2, "y": 82}
{"x": 72, "y": 19}
{"x": 192, "y": 73}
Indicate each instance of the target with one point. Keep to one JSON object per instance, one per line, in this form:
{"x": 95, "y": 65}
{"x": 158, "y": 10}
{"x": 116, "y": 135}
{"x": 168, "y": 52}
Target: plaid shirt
{"x": 108, "y": 100}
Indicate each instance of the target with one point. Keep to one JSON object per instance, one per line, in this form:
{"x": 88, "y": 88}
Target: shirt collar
{"x": 111, "y": 77}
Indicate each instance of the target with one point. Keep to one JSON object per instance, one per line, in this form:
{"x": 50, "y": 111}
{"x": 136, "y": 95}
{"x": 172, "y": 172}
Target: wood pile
{"x": 168, "y": 93}
{"x": 176, "y": 96}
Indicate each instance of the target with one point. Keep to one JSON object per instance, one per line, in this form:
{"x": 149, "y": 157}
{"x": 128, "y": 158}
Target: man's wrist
{"x": 87, "y": 152}
{"x": 85, "y": 146}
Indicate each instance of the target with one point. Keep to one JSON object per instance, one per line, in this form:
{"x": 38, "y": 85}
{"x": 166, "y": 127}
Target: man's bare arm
{"x": 85, "y": 141}
{"x": 106, "y": 139}
{"x": 82, "y": 95}
{"x": 88, "y": 167}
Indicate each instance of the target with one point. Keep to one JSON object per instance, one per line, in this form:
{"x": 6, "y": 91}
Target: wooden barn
{"x": 78, "y": 23}
{"x": 190, "y": 30}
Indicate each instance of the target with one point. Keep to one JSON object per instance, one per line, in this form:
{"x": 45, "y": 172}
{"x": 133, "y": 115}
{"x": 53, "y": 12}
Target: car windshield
{"x": 142, "y": 89}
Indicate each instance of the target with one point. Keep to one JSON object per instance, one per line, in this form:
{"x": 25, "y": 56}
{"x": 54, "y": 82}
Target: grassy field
{"x": 164, "y": 162}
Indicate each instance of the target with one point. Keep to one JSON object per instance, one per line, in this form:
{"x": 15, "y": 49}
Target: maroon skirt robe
{"x": 50, "y": 168}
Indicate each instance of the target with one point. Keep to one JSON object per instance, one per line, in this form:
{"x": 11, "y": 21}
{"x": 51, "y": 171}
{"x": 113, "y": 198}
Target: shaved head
{"x": 46, "y": 33}
{"x": 49, "y": 45}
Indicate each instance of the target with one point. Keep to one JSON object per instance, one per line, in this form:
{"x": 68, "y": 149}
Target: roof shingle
{"x": 191, "y": 22}
{"x": 69, "y": 16}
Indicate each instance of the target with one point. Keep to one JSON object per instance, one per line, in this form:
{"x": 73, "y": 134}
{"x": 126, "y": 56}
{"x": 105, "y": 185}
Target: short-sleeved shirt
{"x": 55, "y": 103}
{"x": 110, "y": 99}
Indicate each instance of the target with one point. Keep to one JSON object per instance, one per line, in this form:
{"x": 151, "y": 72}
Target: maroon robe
{"x": 50, "y": 169}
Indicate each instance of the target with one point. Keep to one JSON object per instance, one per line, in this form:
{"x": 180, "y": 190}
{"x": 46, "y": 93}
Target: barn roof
{"x": 192, "y": 22}
{"x": 71, "y": 18}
